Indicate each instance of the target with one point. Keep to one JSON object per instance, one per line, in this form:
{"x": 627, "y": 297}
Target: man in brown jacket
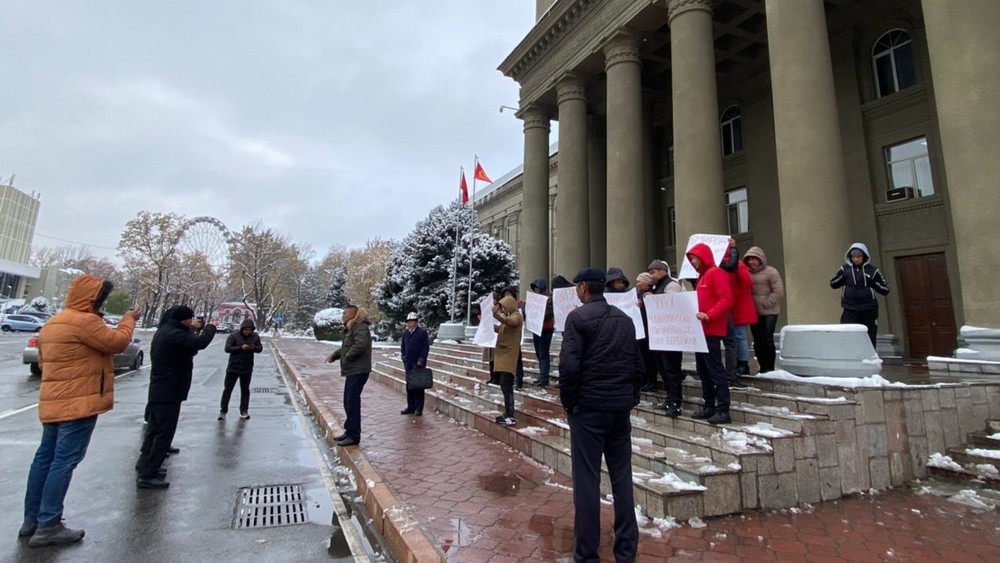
{"x": 75, "y": 350}
{"x": 507, "y": 352}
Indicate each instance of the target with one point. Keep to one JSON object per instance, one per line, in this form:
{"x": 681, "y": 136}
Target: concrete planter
{"x": 982, "y": 344}
{"x": 828, "y": 350}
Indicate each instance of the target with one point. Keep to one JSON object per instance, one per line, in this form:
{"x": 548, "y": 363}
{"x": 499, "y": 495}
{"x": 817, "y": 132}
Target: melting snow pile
{"x": 969, "y": 497}
{"x": 987, "y": 469}
{"x": 768, "y": 430}
{"x": 672, "y": 480}
{"x": 846, "y": 382}
{"x": 993, "y": 454}
{"x": 696, "y": 522}
{"x": 943, "y": 462}
{"x": 744, "y": 442}
{"x": 994, "y": 436}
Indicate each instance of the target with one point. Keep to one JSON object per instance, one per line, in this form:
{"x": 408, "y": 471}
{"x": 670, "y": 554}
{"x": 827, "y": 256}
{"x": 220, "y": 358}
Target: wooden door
{"x": 927, "y": 307}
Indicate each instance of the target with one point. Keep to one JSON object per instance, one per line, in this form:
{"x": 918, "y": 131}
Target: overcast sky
{"x": 334, "y": 121}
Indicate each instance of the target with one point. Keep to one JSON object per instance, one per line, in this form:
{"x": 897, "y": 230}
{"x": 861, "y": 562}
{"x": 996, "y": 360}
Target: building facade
{"x": 799, "y": 126}
{"x": 18, "y": 214}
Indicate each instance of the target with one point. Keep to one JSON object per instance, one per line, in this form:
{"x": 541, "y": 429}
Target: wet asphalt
{"x": 194, "y": 519}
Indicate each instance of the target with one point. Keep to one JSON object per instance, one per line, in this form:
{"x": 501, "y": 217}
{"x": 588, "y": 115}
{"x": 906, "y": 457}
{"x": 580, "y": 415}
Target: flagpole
{"x": 468, "y": 305}
{"x": 454, "y": 258}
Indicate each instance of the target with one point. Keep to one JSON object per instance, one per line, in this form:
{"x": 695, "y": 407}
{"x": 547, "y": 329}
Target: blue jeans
{"x": 543, "y": 344}
{"x": 742, "y": 350}
{"x": 63, "y": 446}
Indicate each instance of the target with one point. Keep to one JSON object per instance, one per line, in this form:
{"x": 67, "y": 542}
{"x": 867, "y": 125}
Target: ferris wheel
{"x": 208, "y": 237}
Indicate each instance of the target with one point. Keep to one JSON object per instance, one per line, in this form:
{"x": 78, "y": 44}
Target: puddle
{"x": 505, "y": 483}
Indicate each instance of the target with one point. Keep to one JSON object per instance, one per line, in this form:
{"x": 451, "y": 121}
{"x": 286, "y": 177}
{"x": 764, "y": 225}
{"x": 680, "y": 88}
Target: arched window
{"x": 892, "y": 59}
{"x": 732, "y": 130}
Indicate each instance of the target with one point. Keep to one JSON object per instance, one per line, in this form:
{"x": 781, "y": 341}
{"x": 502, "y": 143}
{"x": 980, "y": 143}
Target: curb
{"x": 403, "y": 536}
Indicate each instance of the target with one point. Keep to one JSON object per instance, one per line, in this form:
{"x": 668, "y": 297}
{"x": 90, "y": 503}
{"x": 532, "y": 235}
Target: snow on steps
{"x": 977, "y": 461}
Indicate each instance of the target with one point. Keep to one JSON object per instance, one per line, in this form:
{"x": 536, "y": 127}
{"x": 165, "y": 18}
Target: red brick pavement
{"x": 479, "y": 501}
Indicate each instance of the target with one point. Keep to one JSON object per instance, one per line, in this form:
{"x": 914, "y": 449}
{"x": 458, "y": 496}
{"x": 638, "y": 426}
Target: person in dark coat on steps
{"x": 241, "y": 347}
{"x": 600, "y": 372}
{"x": 171, "y": 355}
{"x": 543, "y": 342}
{"x": 415, "y": 346}
{"x": 861, "y": 280}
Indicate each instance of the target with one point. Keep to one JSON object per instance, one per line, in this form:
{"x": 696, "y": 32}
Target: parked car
{"x": 224, "y": 328}
{"x": 37, "y": 314}
{"x": 21, "y": 323}
{"x": 131, "y": 358}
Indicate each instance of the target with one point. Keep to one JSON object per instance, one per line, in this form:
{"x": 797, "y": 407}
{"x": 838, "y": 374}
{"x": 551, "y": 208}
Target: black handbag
{"x": 419, "y": 378}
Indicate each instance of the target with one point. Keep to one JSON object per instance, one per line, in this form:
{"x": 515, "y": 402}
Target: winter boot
{"x": 720, "y": 417}
{"x": 673, "y": 410}
{"x": 58, "y": 534}
{"x": 743, "y": 368}
{"x": 704, "y": 413}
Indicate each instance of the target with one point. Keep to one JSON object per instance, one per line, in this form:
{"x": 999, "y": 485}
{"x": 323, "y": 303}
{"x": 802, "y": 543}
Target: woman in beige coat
{"x": 507, "y": 351}
{"x": 767, "y": 294}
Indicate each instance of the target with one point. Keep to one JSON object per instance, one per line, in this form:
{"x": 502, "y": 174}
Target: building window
{"x": 909, "y": 168}
{"x": 738, "y": 211}
{"x": 671, "y": 227}
{"x": 892, "y": 58}
{"x": 732, "y": 131}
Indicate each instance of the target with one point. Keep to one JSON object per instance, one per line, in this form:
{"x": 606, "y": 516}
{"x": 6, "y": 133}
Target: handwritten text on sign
{"x": 534, "y": 311}
{"x": 629, "y": 304}
{"x": 564, "y": 300}
{"x": 486, "y": 336}
{"x": 673, "y": 322}
{"x": 719, "y": 244}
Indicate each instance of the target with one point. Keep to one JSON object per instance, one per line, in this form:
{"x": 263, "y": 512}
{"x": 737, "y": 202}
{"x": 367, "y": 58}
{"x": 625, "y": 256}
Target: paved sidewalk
{"x": 475, "y": 500}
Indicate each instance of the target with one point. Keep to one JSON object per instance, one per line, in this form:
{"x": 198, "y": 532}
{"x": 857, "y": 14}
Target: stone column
{"x": 815, "y": 222}
{"x": 597, "y": 179}
{"x": 573, "y": 200}
{"x": 626, "y": 218}
{"x": 964, "y": 49}
{"x": 699, "y": 197}
{"x": 534, "y": 248}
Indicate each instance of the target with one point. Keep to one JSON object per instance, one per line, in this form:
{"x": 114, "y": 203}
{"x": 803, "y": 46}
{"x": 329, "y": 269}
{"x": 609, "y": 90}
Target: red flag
{"x": 481, "y": 174}
{"x": 463, "y": 189}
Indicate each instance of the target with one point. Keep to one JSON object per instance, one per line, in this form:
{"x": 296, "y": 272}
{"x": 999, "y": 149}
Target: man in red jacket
{"x": 715, "y": 303}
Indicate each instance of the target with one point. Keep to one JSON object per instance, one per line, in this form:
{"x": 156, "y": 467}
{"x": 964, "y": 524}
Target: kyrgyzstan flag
{"x": 481, "y": 174}
{"x": 463, "y": 189}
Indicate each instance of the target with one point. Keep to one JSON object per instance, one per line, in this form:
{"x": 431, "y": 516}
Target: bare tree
{"x": 148, "y": 246}
{"x": 265, "y": 269}
{"x": 366, "y": 271}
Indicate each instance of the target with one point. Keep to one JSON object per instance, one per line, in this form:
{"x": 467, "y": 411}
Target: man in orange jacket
{"x": 75, "y": 350}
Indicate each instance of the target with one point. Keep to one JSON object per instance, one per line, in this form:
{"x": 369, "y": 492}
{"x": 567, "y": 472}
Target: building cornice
{"x": 546, "y": 33}
{"x": 887, "y": 209}
{"x": 893, "y": 103}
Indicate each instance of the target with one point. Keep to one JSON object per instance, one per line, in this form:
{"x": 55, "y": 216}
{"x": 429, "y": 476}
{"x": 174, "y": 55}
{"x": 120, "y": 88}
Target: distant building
{"x": 18, "y": 214}
{"x": 234, "y": 313}
{"x": 51, "y": 283}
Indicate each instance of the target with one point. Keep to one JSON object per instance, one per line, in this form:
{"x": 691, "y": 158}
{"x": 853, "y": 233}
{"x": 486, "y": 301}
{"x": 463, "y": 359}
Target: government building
{"x": 799, "y": 126}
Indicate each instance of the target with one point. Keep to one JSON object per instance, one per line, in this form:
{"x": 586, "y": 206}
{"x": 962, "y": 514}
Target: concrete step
{"x": 984, "y": 440}
{"x": 977, "y": 457}
{"x": 961, "y": 468}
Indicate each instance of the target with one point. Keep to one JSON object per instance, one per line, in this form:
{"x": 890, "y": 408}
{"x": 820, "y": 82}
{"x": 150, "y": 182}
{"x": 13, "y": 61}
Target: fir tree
{"x": 336, "y": 296}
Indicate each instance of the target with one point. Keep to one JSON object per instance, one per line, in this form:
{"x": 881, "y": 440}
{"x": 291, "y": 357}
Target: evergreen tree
{"x": 336, "y": 297}
{"x": 311, "y": 299}
{"x": 420, "y": 272}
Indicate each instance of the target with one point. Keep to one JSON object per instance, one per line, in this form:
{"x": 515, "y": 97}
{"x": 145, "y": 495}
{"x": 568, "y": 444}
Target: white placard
{"x": 486, "y": 336}
{"x": 673, "y": 322}
{"x": 629, "y": 304}
{"x": 534, "y": 312}
{"x": 719, "y": 244}
{"x": 564, "y": 300}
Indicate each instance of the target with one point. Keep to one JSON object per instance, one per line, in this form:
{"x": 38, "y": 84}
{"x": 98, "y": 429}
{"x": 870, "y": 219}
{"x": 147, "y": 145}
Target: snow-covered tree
{"x": 309, "y": 299}
{"x": 422, "y": 267}
{"x": 336, "y": 296}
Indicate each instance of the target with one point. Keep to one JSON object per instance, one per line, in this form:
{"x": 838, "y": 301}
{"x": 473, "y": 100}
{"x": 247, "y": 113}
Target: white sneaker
{"x": 509, "y": 421}
{"x": 244, "y": 415}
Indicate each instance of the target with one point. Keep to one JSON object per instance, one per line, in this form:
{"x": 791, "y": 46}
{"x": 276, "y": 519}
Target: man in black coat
{"x": 861, "y": 281}
{"x": 415, "y": 346}
{"x": 171, "y": 354}
{"x": 241, "y": 346}
{"x": 600, "y": 372}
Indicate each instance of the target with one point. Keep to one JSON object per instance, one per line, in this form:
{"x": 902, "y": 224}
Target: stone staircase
{"x": 976, "y": 463}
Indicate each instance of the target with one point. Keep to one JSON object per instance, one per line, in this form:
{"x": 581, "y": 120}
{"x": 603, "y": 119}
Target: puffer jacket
{"x": 860, "y": 283}
{"x": 768, "y": 290}
{"x": 715, "y": 294}
{"x": 600, "y": 364}
{"x": 508, "y": 336}
{"x": 75, "y": 350}
{"x": 355, "y": 352}
{"x": 741, "y": 282}
{"x": 240, "y": 360}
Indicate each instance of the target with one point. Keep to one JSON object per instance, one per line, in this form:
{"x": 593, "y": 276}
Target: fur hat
{"x": 182, "y": 313}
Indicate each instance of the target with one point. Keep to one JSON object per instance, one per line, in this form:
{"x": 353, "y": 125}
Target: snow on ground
{"x": 992, "y": 454}
{"x": 823, "y": 399}
{"x": 994, "y": 436}
{"x": 560, "y": 423}
{"x": 768, "y": 430}
{"x": 742, "y": 441}
{"x": 696, "y": 523}
{"x": 533, "y": 430}
{"x": 943, "y": 462}
{"x": 846, "y": 382}
{"x": 671, "y": 479}
{"x": 969, "y": 497}
{"x": 987, "y": 469}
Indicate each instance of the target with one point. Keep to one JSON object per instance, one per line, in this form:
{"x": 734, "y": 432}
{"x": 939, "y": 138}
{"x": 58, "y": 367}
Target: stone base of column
{"x": 887, "y": 346}
{"x": 980, "y": 344}
{"x": 452, "y": 331}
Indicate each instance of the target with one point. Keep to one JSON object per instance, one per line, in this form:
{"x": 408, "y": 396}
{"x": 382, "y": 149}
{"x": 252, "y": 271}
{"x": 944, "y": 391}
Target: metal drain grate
{"x": 264, "y": 390}
{"x": 269, "y": 506}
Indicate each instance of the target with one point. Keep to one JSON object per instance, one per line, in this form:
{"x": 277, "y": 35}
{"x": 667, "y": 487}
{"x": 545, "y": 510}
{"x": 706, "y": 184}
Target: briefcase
{"x": 419, "y": 378}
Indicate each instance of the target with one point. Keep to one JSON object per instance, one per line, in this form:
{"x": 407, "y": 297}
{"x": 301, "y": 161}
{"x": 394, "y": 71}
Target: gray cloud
{"x": 332, "y": 121}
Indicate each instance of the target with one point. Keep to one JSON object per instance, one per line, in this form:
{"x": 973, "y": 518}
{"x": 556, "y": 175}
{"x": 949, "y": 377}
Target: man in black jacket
{"x": 241, "y": 346}
{"x": 355, "y": 355}
{"x": 600, "y": 372}
{"x": 171, "y": 355}
{"x": 861, "y": 280}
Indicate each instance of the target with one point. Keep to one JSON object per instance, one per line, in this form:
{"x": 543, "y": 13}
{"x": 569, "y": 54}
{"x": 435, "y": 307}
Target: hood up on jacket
{"x": 87, "y": 293}
{"x": 758, "y": 253}
{"x": 539, "y": 285}
{"x": 859, "y": 246}
{"x": 618, "y": 274}
{"x": 508, "y": 305}
{"x": 360, "y": 317}
{"x": 704, "y": 253}
{"x": 247, "y": 323}
{"x": 560, "y": 282}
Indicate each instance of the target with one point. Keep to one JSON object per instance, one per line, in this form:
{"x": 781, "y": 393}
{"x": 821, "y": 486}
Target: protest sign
{"x": 629, "y": 304}
{"x": 564, "y": 300}
{"x": 486, "y": 336}
{"x": 673, "y": 322}
{"x": 719, "y": 244}
{"x": 534, "y": 312}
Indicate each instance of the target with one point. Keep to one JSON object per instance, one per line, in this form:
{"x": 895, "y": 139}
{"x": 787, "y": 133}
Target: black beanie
{"x": 182, "y": 313}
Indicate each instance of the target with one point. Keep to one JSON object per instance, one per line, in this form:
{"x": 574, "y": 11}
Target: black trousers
{"x": 669, "y": 364}
{"x": 714, "y": 381}
{"x": 867, "y": 318}
{"x": 352, "y": 405}
{"x": 731, "y": 351}
{"x": 763, "y": 341}
{"x": 594, "y": 434}
{"x": 507, "y": 387}
{"x": 649, "y": 359}
{"x": 227, "y": 391}
{"x": 160, "y": 428}
{"x": 543, "y": 345}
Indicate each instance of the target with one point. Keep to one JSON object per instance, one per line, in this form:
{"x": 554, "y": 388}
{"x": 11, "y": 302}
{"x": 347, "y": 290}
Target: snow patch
{"x": 560, "y": 423}
{"x": 696, "y": 522}
{"x": 329, "y": 317}
{"x": 768, "y": 430}
{"x": 943, "y": 462}
{"x": 532, "y": 430}
{"x": 672, "y": 480}
{"x": 845, "y": 382}
{"x": 987, "y": 469}
{"x": 744, "y": 442}
{"x": 969, "y": 497}
{"x": 994, "y": 436}
{"x": 992, "y": 454}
